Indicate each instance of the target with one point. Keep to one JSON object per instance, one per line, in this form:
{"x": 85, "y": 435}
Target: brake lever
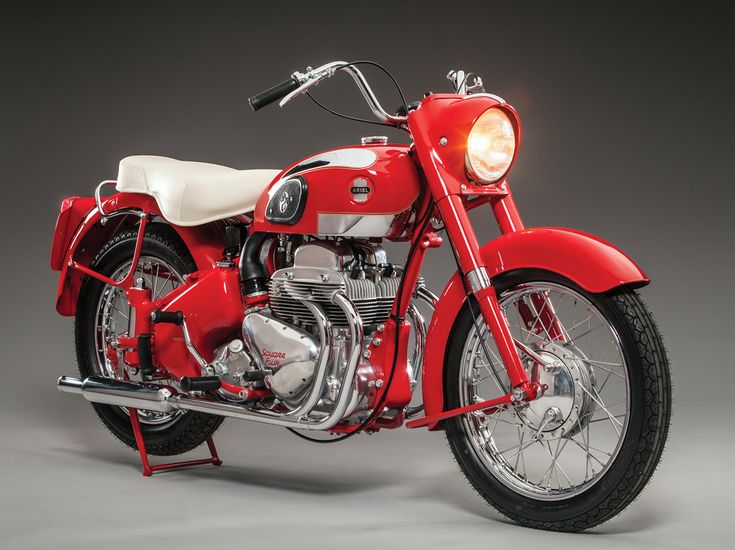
{"x": 300, "y": 90}
{"x": 311, "y": 78}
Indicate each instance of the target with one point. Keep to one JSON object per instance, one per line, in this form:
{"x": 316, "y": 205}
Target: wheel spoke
{"x": 521, "y": 435}
{"x": 163, "y": 285}
{"x": 155, "y": 280}
{"x": 605, "y": 419}
{"x": 492, "y": 431}
{"x": 115, "y": 318}
{"x": 597, "y": 365}
{"x": 569, "y": 331}
{"x": 511, "y": 446}
{"x": 538, "y": 316}
{"x": 589, "y": 331}
{"x": 556, "y": 464}
{"x": 589, "y": 454}
{"x": 491, "y": 374}
{"x": 613, "y": 420}
{"x": 522, "y": 447}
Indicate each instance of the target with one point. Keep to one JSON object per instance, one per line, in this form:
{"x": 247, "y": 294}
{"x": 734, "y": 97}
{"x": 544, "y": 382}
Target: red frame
{"x": 434, "y": 170}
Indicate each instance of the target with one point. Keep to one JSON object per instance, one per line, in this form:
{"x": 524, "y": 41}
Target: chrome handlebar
{"x": 312, "y": 77}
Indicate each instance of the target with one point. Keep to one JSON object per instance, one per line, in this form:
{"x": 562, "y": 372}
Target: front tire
{"x": 621, "y": 444}
{"x": 100, "y": 311}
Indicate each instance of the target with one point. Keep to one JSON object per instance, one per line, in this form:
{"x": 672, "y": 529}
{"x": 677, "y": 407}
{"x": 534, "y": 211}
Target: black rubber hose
{"x": 253, "y": 276}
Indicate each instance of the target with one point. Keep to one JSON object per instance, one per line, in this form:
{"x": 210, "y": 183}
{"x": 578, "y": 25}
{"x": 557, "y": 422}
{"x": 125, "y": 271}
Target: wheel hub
{"x": 565, "y": 406}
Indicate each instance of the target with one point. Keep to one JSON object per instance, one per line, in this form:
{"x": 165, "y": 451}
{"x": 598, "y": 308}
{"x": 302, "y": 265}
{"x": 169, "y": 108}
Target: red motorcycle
{"x": 202, "y": 292}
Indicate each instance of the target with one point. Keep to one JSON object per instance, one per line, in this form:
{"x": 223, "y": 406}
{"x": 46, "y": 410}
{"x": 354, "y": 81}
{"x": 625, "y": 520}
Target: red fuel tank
{"x": 358, "y": 191}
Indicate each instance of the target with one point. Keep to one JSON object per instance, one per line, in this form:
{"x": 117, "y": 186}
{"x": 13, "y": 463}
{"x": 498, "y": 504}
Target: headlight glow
{"x": 491, "y": 145}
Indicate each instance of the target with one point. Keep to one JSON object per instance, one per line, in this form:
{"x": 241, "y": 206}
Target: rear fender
{"x": 79, "y": 235}
{"x": 72, "y": 213}
{"x": 590, "y": 262}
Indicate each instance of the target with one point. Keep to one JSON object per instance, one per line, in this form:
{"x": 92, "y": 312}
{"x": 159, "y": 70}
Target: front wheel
{"x": 579, "y": 454}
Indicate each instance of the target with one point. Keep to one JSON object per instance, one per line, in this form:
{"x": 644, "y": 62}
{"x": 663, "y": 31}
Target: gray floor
{"x": 66, "y": 482}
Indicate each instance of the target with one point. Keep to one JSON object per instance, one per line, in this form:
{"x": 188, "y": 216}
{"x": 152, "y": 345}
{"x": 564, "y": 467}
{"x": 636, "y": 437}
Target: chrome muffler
{"x": 110, "y": 391}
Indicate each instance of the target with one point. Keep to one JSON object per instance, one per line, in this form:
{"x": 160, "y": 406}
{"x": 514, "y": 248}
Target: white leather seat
{"x": 193, "y": 193}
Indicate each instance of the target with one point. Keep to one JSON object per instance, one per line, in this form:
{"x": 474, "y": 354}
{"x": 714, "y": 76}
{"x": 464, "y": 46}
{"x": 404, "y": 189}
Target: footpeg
{"x": 200, "y": 383}
{"x": 253, "y": 375}
{"x": 171, "y": 317}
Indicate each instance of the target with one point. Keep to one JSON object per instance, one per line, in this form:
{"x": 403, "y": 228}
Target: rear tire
{"x": 641, "y": 444}
{"x": 183, "y": 432}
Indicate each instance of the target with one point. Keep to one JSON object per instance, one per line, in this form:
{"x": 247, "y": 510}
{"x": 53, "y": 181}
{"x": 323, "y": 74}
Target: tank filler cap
{"x": 374, "y": 140}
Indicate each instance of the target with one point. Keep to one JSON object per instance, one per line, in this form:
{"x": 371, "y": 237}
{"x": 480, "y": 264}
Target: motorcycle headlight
{"x": 491, "y": 145}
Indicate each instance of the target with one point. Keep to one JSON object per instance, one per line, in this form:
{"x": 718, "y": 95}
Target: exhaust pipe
{"x": 68, "y": 384}
{"x": 110, "y": 391}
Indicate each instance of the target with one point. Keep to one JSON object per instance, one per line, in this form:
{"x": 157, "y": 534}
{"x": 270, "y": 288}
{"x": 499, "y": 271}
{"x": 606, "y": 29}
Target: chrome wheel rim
{"x": 560, "y": 445}
{"x": 114, "y": 319}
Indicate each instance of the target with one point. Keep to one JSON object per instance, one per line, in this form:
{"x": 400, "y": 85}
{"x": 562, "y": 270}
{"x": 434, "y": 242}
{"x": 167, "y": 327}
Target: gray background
{"x": 628, "y": 125}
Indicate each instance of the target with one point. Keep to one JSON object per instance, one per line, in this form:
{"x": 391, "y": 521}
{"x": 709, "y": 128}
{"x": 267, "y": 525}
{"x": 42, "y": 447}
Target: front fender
{"x": 590, "y": 262}
{"x": 84, "y": 240}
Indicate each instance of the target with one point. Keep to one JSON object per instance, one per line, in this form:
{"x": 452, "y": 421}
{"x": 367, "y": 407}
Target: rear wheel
{"x": 579, "y": 454}
{"x": 103, "y": 314}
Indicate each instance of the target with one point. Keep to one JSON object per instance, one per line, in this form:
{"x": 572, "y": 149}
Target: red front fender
{"x": 593, "y": 264}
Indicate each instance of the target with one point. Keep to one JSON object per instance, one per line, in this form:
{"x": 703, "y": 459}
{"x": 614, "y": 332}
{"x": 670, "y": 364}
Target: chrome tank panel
{"x": 346, "y": 225}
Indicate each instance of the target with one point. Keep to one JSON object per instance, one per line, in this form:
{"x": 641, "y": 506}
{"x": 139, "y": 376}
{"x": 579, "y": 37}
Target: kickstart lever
{"x": 178, "y": 318}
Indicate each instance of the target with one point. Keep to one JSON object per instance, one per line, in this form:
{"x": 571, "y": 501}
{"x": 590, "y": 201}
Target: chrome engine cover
{"x": 322, "y": 268}
{"x": 288, "y": 353}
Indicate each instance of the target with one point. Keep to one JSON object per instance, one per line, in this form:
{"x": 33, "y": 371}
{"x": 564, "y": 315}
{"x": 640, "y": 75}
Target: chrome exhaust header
{"x": 110, "y": 391}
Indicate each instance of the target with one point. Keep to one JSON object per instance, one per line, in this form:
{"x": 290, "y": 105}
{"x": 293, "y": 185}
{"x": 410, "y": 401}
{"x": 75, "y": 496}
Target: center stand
{"x": 149, "y": 469}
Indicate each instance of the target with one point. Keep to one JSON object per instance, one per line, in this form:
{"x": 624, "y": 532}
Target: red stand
{"x": 148, "y": 469}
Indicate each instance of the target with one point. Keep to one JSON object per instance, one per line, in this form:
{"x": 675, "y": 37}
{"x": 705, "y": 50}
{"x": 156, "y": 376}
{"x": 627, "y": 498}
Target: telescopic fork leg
{"x": 149, "y": 469}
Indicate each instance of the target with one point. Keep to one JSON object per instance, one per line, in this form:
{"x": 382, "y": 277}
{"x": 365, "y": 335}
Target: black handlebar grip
{"x": 202, "y": 383}
{"x": 258, "y": 101}
{"x": 171, "y": 317}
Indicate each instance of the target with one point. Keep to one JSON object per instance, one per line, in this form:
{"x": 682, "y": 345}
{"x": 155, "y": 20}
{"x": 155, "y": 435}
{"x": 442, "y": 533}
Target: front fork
{"x": 467, "y": 252}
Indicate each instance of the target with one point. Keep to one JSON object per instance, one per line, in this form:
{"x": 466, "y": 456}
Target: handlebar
{"x": 299, "y": 83}
{"x": 258, "y": 101}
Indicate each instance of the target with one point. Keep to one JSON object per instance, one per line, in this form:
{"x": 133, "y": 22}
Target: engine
{"x": 358, "y": 268}
{"x": 288, "y": 338}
